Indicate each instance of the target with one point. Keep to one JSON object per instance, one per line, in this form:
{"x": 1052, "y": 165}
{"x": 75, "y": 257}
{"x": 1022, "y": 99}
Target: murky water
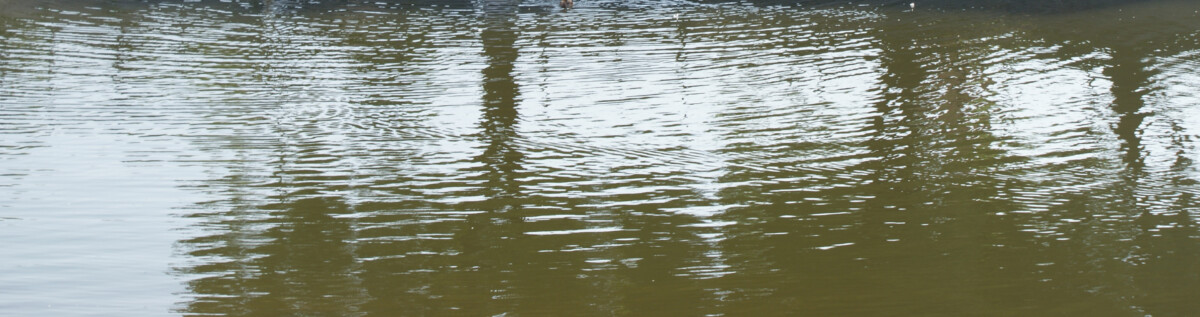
{"x": 652, "y": 158}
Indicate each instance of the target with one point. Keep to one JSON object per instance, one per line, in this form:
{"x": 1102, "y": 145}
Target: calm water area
{"x": 631, "y": 158}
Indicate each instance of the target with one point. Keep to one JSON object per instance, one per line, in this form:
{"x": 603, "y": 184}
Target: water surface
{"x": 507, "y": 158}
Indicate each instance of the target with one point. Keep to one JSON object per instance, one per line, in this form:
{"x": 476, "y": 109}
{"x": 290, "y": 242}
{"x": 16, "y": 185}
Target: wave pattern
{"x": 620, "y": 158}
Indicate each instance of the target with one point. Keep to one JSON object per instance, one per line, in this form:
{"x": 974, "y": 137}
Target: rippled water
{"x": 505, "y": 158}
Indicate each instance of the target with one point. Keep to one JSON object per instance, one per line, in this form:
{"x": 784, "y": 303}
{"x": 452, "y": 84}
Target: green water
{"x": 634, "y": 158}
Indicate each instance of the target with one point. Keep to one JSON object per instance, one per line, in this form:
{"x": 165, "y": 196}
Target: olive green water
{"x": 652, "y": 158}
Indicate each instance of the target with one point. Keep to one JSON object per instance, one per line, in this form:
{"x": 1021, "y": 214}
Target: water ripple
{"x": 512, "y": 157}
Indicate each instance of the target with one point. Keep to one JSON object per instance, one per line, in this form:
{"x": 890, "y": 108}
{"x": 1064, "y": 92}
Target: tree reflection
{"x": 501, "y": 158}
{"x": 910, "y": 209}
{"x": 303, "y": 244}
{"x": 919, "y": 212}
{"x": 490, "y": 242}
{"x": 1130, "y": 73}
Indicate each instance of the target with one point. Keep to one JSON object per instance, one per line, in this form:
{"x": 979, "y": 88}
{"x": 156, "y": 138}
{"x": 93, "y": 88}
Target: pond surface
{"x": 647, "y": 158}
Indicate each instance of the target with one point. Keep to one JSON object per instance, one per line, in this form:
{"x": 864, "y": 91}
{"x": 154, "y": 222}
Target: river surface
{"x": 643, "y": 158}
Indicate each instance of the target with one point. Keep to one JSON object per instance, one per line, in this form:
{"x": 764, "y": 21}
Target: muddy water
{"x": 507, "y": 158}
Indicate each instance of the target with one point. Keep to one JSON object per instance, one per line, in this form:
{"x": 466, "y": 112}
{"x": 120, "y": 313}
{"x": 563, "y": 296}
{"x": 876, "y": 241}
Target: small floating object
{"x": 566, "y": 4}
{"x": 912, "y": 5}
